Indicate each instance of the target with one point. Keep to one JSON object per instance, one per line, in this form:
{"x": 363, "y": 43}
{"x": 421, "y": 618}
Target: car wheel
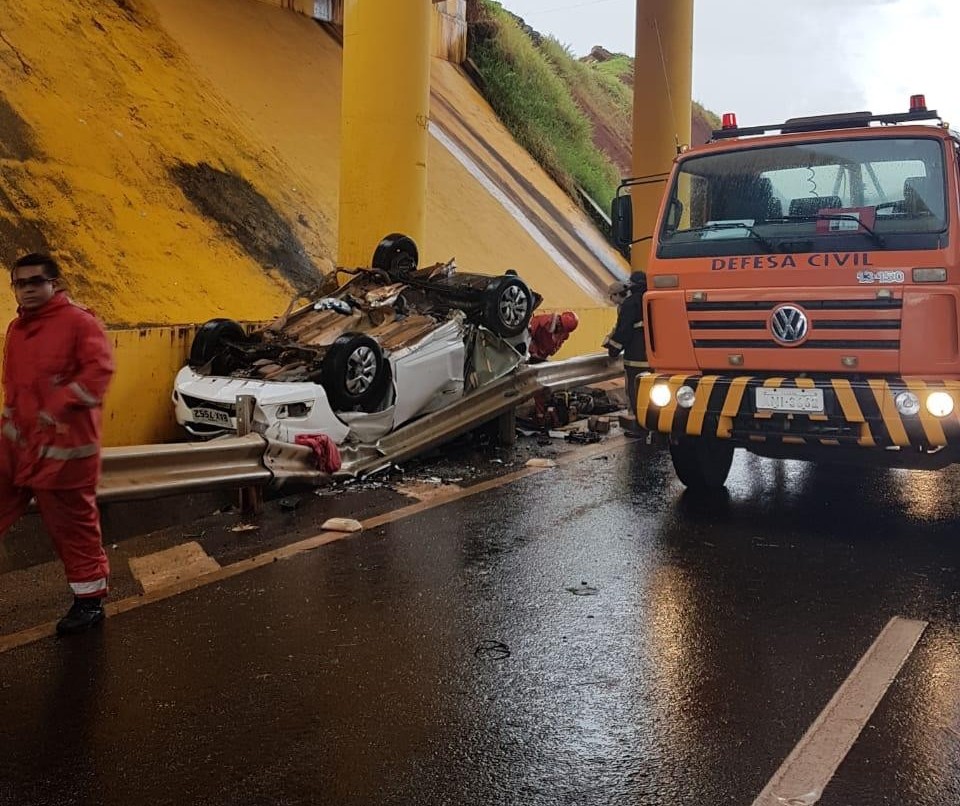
{"x": 508, "y": 306}
{"x": 396, "y": 255}
{"x": 702, "y": 464}
{"x": 355, "y": 373}
{"x": 208, "y": 343}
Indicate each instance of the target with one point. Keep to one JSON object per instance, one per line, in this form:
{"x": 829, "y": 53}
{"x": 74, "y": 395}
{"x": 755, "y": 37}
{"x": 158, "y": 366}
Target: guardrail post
{"x": 251, "y": 498}
{"x": 507, "y": 428}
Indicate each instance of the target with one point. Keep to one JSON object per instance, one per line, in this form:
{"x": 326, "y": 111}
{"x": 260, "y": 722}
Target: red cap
{"x": 569, "y": 321}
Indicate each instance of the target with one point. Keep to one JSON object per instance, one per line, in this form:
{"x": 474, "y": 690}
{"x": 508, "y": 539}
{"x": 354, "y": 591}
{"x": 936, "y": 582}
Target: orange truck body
{"x": 804, "y": 293}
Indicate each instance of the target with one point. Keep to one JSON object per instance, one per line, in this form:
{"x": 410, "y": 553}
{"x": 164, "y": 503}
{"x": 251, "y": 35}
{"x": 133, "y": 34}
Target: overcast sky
{"x": 768, "y": 60}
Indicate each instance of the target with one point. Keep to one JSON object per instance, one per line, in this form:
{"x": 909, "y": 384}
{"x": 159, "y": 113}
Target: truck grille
{"x": 869, "y": 324}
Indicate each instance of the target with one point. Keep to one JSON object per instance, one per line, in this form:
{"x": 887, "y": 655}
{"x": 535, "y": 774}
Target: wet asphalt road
{"x": 587, "y": 635}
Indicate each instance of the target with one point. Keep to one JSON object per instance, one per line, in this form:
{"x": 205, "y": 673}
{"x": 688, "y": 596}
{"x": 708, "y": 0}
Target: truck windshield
{"x": 859, "y": 194}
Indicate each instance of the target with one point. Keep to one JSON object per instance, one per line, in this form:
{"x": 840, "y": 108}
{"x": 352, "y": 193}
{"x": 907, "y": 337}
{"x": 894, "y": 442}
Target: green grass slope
{"x": 572, "y": 114}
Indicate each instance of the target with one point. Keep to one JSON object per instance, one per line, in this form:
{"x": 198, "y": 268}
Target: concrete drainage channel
{"x": 146, "y": 472}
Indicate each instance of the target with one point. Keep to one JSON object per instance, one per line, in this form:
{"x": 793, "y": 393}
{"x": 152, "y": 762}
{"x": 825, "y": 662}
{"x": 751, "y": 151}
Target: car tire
{"x": 355, "y": 373}
{"x": 507, "y": 306}
{"x": 702, "y": 464}
{"x": 396, "y": 254}
{"x": 208, "y": 343}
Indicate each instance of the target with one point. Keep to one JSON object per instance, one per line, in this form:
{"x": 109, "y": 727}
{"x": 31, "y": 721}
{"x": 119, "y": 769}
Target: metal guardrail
{"x": 480, "y": 407}
{"x": 152, "y": 471}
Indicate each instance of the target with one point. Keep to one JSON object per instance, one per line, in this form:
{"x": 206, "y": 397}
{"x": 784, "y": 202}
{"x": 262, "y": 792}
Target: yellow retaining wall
{"x": 595, "y": 324}
{"x": 450, "y": 30}
{"x": 449, "y": 38}
{"x": 138, "y": 409}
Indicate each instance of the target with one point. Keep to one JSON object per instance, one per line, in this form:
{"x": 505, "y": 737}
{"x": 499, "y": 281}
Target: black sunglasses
{"x": 28, "y": 282}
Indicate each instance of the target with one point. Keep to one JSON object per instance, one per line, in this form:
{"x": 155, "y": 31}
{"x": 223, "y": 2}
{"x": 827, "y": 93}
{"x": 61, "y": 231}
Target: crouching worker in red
{"x": 57, "y": 364}
{"x": 548, "y": 332}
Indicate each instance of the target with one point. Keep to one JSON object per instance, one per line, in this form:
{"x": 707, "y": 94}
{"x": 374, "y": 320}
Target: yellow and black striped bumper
{"x": 856, "y": 412}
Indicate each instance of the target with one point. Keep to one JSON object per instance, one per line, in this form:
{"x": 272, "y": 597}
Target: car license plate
{"x": 211, "y": 417}
{"x": 804, "y": 401}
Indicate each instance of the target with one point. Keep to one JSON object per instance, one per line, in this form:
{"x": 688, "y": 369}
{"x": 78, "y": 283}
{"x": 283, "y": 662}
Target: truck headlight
{"x": 907, "y": 403}
{"x": 939, "y": 404}
{"x": 660, "y": 394}
{"x": 686, "y": 397}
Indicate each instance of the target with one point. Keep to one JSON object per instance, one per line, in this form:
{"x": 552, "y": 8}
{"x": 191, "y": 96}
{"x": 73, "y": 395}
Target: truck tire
{"x": 702, "y": 464}
{"x": 507, "y": 306}
{"x": 396, "y": 255}
{"x": 208, "y": 343}
{"x": 355, "y": 373}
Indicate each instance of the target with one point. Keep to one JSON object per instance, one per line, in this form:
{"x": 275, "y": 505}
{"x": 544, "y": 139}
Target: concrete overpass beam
{"x": 662, "y": 91}
{"x": 386, "y": 101}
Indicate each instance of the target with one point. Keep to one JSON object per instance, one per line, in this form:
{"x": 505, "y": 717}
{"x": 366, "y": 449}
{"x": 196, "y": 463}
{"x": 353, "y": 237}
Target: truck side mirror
{"x": 674, "y": 214}
{"x": 621, "y": 219}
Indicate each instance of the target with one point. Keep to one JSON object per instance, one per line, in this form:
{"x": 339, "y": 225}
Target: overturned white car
{"x": 394, "y": 343}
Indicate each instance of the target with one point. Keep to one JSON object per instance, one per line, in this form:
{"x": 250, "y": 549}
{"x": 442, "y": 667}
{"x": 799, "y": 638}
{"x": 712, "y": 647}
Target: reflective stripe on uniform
{"x": 614, "y": 343}
{"x": 83, "y": 395}
{"x": 637, "y": 325}
{"x": 89, "y": 588}
{"x": 65, "y": 454}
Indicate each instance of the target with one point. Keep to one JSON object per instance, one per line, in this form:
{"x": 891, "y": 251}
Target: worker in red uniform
{"x": 548, "y": 332}
{"x": 57, "y": 364}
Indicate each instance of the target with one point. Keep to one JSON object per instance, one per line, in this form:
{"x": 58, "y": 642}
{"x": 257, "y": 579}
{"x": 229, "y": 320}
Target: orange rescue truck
{"x": 804, "y": 295}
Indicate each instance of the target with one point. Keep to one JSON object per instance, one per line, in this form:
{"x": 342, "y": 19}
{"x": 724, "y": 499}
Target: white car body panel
{"x": 427, "y": 376}
{"x": 270, "y": 397}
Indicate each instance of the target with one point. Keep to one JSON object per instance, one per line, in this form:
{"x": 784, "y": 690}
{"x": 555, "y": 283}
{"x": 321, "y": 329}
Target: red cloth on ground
{"x": 324, "y": 450}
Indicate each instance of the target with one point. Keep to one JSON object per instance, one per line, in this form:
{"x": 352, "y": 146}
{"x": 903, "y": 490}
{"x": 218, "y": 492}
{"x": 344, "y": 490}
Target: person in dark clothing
{"x": 628, "y": 337}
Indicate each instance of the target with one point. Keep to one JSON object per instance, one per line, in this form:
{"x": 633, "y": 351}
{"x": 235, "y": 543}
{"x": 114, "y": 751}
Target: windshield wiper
{"x": 720, "y": 225}
{"x": 878, "y": 239}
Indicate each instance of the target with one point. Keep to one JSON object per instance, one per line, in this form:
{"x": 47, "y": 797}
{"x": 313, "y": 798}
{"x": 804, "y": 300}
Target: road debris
{"x": 342, "y": 525}
{"x": 492, "y": 650}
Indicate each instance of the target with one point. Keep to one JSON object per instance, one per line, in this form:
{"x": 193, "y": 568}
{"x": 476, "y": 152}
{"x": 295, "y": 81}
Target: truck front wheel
{"x": 702, "y": 464}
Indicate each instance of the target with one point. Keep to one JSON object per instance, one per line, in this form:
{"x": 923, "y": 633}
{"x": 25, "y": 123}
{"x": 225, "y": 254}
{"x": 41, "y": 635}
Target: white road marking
{"x": 518, "y": 215}
{"x": 805, "y": 773}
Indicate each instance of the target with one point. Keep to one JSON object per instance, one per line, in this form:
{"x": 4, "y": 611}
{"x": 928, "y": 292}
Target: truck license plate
{"x": 804, "y": 401}
{"x": 211, "y": 416}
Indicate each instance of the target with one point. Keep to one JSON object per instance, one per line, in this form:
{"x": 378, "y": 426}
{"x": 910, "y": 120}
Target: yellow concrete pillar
{"x": 386, "y": 107}
{"x": 662, "y": 90}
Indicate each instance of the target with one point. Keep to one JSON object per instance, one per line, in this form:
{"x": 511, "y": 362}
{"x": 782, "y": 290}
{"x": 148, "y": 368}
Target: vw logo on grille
{"x": 789, "y": 325}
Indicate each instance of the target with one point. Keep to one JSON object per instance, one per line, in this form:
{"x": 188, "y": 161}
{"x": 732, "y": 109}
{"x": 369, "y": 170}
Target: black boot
{"x": 85, "y": 613}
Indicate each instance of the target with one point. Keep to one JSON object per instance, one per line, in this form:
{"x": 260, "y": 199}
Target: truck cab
{"x": 804, "y": 295}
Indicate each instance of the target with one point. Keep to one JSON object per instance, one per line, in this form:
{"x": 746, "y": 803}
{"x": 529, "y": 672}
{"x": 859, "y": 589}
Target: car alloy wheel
{"x": 514, "y": 306}
{"x": 362, "y": 365}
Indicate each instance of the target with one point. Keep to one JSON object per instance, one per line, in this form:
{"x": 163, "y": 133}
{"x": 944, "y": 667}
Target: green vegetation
{"x": 535, "y": 103}
{"x": 712, "y": 118}
{"x": 572, "y": 115}
{"x": 619, "y": 67}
